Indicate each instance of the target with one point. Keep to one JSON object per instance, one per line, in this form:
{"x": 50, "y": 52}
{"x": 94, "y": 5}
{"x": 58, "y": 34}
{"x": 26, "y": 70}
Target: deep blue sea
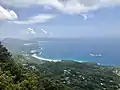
{"x": 80, "y": 50}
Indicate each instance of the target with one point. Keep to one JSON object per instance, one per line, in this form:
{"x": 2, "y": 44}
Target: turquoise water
{"x": 80, "y": 50}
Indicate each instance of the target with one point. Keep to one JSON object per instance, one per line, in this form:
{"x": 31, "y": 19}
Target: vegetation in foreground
{"x": 13, "y": 76}
{"x": 65, "y": 75}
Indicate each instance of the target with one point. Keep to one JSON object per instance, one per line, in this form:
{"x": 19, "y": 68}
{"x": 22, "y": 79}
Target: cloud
{"x": 44, "y": 31}
{"x": 67, "y": 6}
{"x": 7, "y": 14}
{"x": 31, "y": 31}
{"x": 87, "y": 16}
{"x": 41, "y": 18}
{"x": 47, "y": 7}
{"x": 79, "y": 7}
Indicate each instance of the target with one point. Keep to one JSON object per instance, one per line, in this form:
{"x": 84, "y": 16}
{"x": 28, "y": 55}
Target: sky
{"x": 60, "y": 18}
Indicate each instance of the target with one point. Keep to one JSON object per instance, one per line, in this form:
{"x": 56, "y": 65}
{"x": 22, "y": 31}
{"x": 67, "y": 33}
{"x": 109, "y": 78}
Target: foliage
{"x": 82, "y": 76}
{"x": 64, "y": 75}
{"x": 4, "y": 54}
{"x": 13, "y": 76}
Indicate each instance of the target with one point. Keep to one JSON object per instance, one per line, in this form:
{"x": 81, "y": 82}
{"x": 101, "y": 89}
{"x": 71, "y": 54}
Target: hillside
{"x": 80, "y": 76}
{"x": 21, "y": 72}
{"x": 15, "y": 76}
{"x": 18, "y": 45}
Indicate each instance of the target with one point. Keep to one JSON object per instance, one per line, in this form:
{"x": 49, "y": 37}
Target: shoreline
{"x": 53, "y": 60}
{"x": 44, "y": 59}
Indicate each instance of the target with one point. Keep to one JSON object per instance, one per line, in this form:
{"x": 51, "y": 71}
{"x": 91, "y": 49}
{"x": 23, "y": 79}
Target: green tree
{"x": 4, "y": 54}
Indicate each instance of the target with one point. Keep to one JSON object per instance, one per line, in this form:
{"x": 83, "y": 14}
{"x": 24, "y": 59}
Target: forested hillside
{"x": 20, "y": 73}
{"x": 13, "y": 76}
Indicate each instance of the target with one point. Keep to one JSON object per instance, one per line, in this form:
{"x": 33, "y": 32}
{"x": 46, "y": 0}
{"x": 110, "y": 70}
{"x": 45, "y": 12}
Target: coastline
{"x": 44, "y": 59}
{"x": 54, "y": 60}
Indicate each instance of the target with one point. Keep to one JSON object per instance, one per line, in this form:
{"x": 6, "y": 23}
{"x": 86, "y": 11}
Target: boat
{"x": 95, "y": 55}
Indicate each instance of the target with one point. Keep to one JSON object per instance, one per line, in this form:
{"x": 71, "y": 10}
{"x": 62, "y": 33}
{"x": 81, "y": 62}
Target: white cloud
{"x": 87, "y": 16}
{"x": 41, "y": 18}
{"x": 81, "y": 7}
{"x": 7, "y": 14}
{"x": 84, "y": 16}
{"x": 67, "y": 6}
{"x": 31, "y": 31}
{"x": 47, "y": 7}
{"x": 44, "y": 31}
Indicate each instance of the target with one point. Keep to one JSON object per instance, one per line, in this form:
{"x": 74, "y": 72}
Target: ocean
{"x": 82, "y": 50}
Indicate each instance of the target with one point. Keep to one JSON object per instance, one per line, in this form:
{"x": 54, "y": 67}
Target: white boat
{"x": 95, "y": 55}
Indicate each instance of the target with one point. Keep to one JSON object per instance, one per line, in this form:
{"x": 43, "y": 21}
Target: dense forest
{"x": 13, "y": 76}
{"x": 64, "y": 75}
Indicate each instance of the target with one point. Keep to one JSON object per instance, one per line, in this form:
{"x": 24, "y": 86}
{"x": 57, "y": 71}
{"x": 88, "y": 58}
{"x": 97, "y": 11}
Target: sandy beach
{"x": 40, "y": 58}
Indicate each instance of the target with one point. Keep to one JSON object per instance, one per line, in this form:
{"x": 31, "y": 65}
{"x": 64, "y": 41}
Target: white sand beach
{"x": 40, "y": 58}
